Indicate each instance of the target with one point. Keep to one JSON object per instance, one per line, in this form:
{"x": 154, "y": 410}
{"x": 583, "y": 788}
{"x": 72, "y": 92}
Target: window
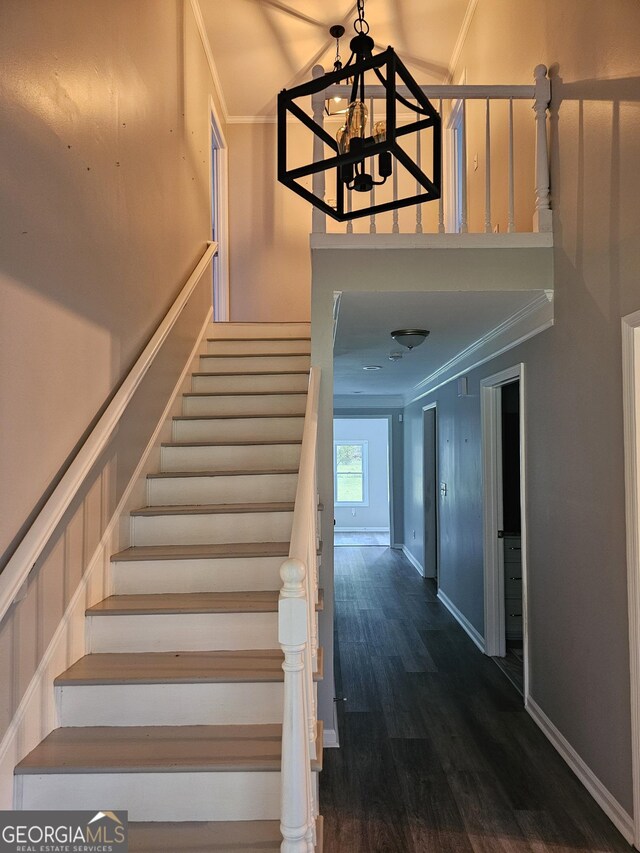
{"x": 351, "y": 473}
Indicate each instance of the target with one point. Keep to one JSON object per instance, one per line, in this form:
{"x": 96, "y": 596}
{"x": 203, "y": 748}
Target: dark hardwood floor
{"x": 437, "y": 753}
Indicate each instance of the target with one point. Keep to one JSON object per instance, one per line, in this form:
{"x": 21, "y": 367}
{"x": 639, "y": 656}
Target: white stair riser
{"x": 183, "y": 632}
{"x": 226, "y": 331}
{"x": 204, "y": 529}
{"x": 260, "y": 404}
{"x": 246, "y": 383}
{"x": 248, "y": 364}
{"x": 249, "y": 795}
{"x": 248, "y": 488}
{"x": 241, "y": 429}
{"x": 228, "y": 458}
{"x": 229, "y": 574}
{"x": 213, "y": 704}
{"x": 230, "y": 347}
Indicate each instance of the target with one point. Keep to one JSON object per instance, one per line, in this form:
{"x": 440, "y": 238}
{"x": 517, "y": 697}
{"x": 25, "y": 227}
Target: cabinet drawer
{"x": 513, "y": 620}
{"x": 512, "y": 584}
{"x": 512, "y": 549}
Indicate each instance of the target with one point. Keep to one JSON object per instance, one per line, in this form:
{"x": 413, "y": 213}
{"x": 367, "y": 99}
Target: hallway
{"x": 437, "y": 752}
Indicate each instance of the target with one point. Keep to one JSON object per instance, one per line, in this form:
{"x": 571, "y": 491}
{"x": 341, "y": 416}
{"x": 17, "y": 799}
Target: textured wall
{"x": 104, "y": 203}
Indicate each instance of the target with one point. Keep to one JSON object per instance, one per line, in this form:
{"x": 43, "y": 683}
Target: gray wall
{"x": 578, "y": 630}
{"x": 578, "y": 592}
{"x": 104, "y": 205}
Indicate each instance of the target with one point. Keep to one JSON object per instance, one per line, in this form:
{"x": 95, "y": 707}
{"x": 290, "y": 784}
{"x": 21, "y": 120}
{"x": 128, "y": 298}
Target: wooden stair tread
{"x": 238, "y": 836}
{"x": 244, "y": 393}
{"x": 238, "y": 666}
{"x": 175, "y": 667}
{"x": 131, "y": 749}
{"x": 303, "y": 353}
{"x": 199, "y": 552}
{"x": 250, "y": 472}
{"x": 213, "y": 509}
{"x": 159, "y": 749}
{"x": 237, "y": 417}
{"x": 223, "y": 340}
{"x": 253, "y": 373}
{"x": 264, "y": 601}
{"x": 151, "y": 604}
{"x": 227, "y": 443}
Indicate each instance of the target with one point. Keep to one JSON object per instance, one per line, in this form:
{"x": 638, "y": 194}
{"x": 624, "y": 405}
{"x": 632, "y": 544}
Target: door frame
{"x": 219, "y": 207}
{"x": 436, "y": 456}
{"x": 378, "y": 417}
{"x": 631, "y": 417}
{"x": 494, "y": 609}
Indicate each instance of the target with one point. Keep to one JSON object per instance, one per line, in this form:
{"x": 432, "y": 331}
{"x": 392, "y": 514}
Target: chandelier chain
{"x": 360, "y": 25}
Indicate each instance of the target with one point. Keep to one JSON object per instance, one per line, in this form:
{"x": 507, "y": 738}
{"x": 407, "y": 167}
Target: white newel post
{"x": 295, "y": 819}
{"x": 542, "y": 218}
{"x": 318, "y": 218}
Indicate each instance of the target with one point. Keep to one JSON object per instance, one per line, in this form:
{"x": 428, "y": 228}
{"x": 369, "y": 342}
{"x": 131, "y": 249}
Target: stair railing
{"x": 297, "y": 634}
{"x": 26, "y": 555}
{"x": 454, "y": 202}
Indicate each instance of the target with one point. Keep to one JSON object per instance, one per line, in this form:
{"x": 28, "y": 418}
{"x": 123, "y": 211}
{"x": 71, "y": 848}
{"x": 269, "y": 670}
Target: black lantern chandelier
{"x": 359, "y": 151}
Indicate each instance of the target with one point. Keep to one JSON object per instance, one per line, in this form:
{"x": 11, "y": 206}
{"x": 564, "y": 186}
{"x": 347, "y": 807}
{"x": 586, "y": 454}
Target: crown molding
{"x": 524, "y": 324}
{"x": 204, "y": 38}
{"x": 462, "y": 37}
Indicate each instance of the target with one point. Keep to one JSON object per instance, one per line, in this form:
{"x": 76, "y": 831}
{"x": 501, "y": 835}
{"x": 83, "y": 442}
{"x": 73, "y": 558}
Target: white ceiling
{"x": 455, "y": 320}
{"x": 262, "y": 46}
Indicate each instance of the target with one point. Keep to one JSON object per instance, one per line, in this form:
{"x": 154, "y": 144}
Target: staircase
{"x": 176, "y": 712}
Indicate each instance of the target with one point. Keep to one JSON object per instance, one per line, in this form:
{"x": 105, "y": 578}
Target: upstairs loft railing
{"x": 298, "y": 638}
{"x": 494, "y": 137}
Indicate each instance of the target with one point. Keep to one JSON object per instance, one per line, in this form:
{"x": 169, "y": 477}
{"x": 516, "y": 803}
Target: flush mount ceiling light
{"x": 372, "y": 367}
{"x": 410, "y": 338}
{"x": 395, "y": 356}
{"x": 362, "y": 156}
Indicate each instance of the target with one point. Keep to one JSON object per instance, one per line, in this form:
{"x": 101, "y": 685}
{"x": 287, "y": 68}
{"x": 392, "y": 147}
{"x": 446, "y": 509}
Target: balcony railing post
{"x": 295, "y": 818}
{"x": 319, "y": 219}
{"x": 542, "y": 218}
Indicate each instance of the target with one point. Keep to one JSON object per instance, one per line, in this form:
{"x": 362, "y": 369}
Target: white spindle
{"x": 372, "y": 218}
{"x": 511, "y": 224}
{"x": 418, "y": 186}
{"x": 542, "y": 219}
{"x": 464, "y": 227}
{"x": 318, "y": 218}
{"x": 395, "y": 228}
{"x": 292, "y": 635}
{"x": 487, "y": 168}
{"x": 441, "y": 200}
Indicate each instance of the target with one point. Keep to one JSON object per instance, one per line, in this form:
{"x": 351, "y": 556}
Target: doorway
{"x": 502, "y": 411}
{"x": 430, "y": 491}
{"x": 218, "y": 183}
{"x": 361, "y": 465}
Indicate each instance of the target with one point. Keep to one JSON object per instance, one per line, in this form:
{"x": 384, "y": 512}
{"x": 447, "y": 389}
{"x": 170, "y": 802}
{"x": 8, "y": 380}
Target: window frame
{"x": 364, "y": 444}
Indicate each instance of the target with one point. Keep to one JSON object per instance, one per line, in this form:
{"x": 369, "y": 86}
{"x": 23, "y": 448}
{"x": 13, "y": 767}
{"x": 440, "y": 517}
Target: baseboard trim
{"x": 462, "y": 620}
{"x": 330, "y": 739}
{"x": 28, "y": 726}
{"x": 603, "y": 797}
{"x": 361, "y": 529}
{"x": 416, "y": 565}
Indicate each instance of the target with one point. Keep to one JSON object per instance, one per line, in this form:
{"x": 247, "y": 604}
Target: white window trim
{"x": 365, "y": 472}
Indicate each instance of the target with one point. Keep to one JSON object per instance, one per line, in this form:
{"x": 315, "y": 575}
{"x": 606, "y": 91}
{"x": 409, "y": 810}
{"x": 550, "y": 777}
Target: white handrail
{"x": 297, "y": 636}
{"x": 26, "y": 554}
{"x": 443, "y": 91}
